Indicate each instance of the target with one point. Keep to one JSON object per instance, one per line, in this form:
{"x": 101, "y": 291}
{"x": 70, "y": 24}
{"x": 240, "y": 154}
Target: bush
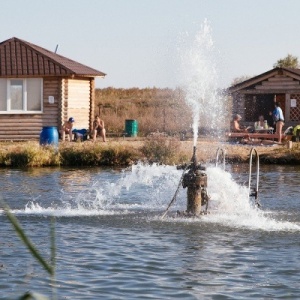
{"x": 162, "y": 149}
{"x": 30, "y": 155}
{"x": 95, "y": 154}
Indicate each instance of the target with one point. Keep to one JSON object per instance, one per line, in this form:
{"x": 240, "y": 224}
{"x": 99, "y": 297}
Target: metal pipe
{"x": 223, "y": 152}
{"x": 257, "y": 175}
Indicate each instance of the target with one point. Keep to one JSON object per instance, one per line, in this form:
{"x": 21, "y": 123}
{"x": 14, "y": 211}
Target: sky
{"x": 136, "y": 42}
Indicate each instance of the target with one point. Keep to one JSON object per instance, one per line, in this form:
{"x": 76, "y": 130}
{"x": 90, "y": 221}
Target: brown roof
{"x": 294, "y": 73}
{"x": 20, "y": 58}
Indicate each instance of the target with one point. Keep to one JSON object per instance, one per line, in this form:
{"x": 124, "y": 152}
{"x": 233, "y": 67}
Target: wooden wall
{"x": 29, "y": 126}
{"x": 77, "y": 98}
{"x": 278, "y": 82}
{"x": 72, "y": 98}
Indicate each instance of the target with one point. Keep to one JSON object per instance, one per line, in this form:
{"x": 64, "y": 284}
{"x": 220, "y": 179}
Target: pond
{"x": 112, "y": 243}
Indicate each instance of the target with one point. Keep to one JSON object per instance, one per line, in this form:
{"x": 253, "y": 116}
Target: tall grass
{"x": 97, "y": 154}
{"x": 155, "y": 109}
{"x": 31, "y": 154}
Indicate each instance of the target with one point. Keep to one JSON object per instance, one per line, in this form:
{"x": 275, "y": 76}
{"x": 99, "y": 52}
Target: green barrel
{"x": 131, "y": 127}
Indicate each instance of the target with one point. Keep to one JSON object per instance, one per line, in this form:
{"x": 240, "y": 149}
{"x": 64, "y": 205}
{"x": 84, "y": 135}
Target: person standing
{"x": 279, "y": 120}
{"x": 98, "y": 129}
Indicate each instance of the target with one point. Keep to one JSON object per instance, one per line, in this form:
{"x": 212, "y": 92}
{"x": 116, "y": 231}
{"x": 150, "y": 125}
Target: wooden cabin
{"x": 41, "y": 88}
{"x": 256, "y": 96}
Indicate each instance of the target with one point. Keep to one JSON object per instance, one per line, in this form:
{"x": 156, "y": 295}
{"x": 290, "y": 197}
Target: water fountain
{"x": 195, "y": 180}
{"x": 200, "y": 79}
{"x": 200, "y": 86}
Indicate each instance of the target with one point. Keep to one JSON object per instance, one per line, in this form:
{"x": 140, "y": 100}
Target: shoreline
{"x": 126, "y": 151}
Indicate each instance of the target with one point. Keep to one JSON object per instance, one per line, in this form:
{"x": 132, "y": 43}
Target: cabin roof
{"x": 288, "y": 72}
{"x": 19, "y": 58}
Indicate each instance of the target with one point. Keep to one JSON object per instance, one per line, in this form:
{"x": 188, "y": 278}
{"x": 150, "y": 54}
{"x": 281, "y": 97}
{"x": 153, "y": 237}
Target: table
{"x": 257, "y": 135}
{"x": 264, "y": 130}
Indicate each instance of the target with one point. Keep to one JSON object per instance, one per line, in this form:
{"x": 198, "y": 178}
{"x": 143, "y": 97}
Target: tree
{"x": 289, "y": 61}
{"x": 240, "y": 79}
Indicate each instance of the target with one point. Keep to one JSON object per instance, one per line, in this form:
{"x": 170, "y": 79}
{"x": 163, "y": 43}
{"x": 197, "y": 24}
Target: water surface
{"x": 112, "y": 243}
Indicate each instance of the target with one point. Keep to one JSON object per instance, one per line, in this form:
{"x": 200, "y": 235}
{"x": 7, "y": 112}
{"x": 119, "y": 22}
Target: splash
{"x": 143, "y": 188}
{"x": 146, "y": 190}
{"x": 200, "y": 79}
{"x": 232, "y": 207}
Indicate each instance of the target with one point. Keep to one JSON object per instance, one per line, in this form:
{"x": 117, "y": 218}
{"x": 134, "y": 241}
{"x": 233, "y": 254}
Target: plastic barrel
{"x": 49, "y": 136}
{"x": 131, "y": 127}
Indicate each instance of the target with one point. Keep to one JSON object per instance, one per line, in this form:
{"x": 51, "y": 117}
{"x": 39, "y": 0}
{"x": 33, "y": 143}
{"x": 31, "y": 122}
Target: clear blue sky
{"x": 134, "y": 41}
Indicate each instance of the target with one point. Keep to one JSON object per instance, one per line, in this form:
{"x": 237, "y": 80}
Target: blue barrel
{"x": 131, "y": 127}
{"x": 49, "y": 136}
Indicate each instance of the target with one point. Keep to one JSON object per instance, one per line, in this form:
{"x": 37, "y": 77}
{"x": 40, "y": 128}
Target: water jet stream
{"x": 199, "y": 81}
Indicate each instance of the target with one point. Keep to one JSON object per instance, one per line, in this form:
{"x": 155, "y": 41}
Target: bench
{"x": 268, "y": 136}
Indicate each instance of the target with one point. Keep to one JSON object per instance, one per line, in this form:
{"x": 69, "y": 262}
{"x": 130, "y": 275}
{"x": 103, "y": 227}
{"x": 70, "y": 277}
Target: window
{"x": 16, "y": 94}
{"x": 21, "y": 95}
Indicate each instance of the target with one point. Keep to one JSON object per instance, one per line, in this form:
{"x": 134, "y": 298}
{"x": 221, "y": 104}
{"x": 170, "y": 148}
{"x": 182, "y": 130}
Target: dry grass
{"x": 125, "y": 151}
{"x": 162, "y": 110}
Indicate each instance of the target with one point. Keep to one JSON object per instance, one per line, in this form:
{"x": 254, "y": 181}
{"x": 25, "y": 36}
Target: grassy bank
{"x": 31, "y": 154}
{"x": 124, "y": 152}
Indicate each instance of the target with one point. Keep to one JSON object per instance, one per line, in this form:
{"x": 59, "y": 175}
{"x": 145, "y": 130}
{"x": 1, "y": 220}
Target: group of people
{"x": 277, "y": 116}
{"x": 97, "y": 130}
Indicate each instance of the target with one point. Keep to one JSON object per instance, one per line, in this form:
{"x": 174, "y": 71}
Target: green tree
{"x": 289, "y": 61}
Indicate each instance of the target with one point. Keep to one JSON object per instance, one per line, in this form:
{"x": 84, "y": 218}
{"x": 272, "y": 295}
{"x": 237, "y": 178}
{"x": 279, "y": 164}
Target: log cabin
{"x": 41, "y": 88}
{"x": 256, "y": 96}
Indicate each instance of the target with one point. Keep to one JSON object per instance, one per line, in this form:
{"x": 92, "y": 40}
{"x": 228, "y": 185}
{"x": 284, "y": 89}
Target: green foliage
{"x": 161, "y": 149}
{"x": 289, "y": 61}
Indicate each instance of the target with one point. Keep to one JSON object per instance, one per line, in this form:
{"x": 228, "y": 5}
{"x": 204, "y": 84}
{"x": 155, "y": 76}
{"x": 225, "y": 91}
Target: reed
{"x": 48, "y": 267}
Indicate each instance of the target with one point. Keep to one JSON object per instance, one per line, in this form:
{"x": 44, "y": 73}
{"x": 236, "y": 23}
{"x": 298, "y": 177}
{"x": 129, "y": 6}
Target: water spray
{"x": 199, "y": 72}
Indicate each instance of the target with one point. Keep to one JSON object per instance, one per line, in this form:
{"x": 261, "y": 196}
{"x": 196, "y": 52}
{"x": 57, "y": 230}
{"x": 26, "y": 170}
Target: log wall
{"x": 29, "y": 126}
{"x": 278, "y": 82}
{"x": 78, "y": 102}
{"x": 72, "y": 98}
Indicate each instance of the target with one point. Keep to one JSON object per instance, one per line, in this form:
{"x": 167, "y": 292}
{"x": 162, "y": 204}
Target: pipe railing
{"x": 223, "y": 154}
{"x": 255, "y": 192}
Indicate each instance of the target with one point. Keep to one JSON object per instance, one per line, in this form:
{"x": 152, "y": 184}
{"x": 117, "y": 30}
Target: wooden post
{"x": 287, "y": 116}
{"x": 92, "y": 103}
